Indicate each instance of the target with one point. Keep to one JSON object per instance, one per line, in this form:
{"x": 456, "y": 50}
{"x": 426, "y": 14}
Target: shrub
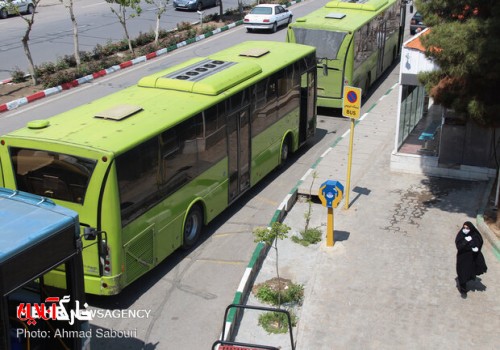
{"x": 144, "y": 50}
{"x": 45, "y": 68}
{"x": 293, "y": 294}
{"x": 208, "y": 28}
{"x": 58, "y": 78}
{"x": 184, "y": 26}
{"x": 70, "y": 60}
{"x": 276, "y": 322}
{"x": 309, "y": 236}
{"x": 18, "y": 76}
{"x": 61, "y": 64}
{"x": 143, "y": 39}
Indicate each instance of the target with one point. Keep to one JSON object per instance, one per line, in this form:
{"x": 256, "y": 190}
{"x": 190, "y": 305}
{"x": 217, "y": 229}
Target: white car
{"x": 13, "y": 7}
{"x": 267, "y": 16}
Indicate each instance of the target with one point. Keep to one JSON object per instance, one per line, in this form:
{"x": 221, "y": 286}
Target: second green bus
{"x": 356, "y": 41}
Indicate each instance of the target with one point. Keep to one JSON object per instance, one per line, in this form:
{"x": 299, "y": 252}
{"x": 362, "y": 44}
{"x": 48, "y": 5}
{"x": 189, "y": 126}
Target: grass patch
{"x": 276, "y": 322}
{"x": 309, "y": 236}
{"x": 270, "y": 292}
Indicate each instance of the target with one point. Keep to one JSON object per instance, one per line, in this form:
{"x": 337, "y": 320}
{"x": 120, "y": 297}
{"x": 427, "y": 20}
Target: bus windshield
{"x": 51, "y": 174}
{"x": 327, "y": 42}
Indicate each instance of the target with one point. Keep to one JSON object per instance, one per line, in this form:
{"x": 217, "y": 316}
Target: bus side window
{"x": 137, "y": 172}
{"x": 213, "y": 146}
{"x": 179, "y": 153}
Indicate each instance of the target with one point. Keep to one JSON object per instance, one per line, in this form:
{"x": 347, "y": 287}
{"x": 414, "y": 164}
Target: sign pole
{"x": 349, "y": 165}
{"x": 351, "y": 107}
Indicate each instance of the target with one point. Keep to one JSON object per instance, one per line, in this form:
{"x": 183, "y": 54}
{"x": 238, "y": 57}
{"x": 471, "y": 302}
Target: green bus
{"x": 356, "y": 41}
{"x": 146, "y": 167}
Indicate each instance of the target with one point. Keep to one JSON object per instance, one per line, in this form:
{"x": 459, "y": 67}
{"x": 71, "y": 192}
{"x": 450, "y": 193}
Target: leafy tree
{"x": 29, "y": 18}
{"x": 123, "y": 16}
{"x": 465, "y": 44}
{"x": 76, "y": 51}
{"x": 161, "y": 8}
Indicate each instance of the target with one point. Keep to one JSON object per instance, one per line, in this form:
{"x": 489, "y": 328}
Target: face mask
{"x": 466, "y": 230}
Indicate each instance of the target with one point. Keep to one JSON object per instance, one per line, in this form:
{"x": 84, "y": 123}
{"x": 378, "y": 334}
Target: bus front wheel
{"x": 192, "y": 227}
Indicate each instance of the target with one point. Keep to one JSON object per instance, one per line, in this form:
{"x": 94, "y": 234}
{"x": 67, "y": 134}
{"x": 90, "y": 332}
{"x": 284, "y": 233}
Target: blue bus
{"x": 36, "y": 236}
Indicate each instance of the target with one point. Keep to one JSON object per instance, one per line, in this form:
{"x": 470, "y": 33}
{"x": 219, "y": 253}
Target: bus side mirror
{"x": 411, "y": 8}
{"x": 89, "y": 233}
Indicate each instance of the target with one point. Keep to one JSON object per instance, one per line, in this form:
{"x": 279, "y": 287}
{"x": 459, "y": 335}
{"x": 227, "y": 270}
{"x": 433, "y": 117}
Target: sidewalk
{"x": 389, "y": 280}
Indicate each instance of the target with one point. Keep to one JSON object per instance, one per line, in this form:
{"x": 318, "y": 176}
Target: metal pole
{"x": 349, "y": 163}
{"x": 330, "y": 235}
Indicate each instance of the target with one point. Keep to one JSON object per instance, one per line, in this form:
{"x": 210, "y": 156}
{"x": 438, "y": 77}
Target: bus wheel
{"x": 285, "y": 151}
{"x": 192, "y": 227}
{"x": 3, "y": 14}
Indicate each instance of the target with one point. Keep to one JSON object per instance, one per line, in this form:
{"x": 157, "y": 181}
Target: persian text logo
{"x": 52, "y": 309}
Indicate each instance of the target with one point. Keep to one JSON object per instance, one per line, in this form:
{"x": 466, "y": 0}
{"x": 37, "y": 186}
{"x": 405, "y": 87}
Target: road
{"x": 184, "y": 298}
{"x": 52, "y": 33}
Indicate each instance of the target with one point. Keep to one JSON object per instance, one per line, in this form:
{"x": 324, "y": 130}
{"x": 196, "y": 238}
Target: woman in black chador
{"x": 470, "y": 260}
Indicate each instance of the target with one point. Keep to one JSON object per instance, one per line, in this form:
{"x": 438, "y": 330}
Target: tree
{"x": 161, "y": 8}
{"x": 76, "y": 50}
{"x": 270, "y": 235}
{"x": 29, "y": 18}
{"x": 123, "y": 16}
{"x": 464, "y": 42}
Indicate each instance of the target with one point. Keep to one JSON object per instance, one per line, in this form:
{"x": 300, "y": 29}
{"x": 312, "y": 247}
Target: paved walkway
{"x": 389, "y": 280}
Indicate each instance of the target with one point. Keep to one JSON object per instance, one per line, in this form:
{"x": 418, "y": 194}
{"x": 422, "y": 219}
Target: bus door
{"x": 307, "y": 105}
{"x": 381, "y": 32}
{"x": 239, "y": 152}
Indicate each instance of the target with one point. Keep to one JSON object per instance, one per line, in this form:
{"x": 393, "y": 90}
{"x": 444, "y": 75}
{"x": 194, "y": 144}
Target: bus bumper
{"x": 108, "y": 285}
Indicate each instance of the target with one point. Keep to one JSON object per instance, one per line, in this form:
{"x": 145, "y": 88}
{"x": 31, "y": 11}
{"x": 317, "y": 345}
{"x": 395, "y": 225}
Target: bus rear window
{"x": 327, "y": 42}
{"x": 51, "y": 174}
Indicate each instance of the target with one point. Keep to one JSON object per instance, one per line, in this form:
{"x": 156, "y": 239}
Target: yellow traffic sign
{"x": 351, "y": 106}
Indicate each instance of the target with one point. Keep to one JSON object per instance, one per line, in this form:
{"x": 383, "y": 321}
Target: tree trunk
{"x": 123, "y": 21}
{"x": 278, "y": 274}
{"x": 157, "y": 30}
{"x": 75, "y": 35}
{"x": 27, "y": 51}
{"x": 221, "y": 11}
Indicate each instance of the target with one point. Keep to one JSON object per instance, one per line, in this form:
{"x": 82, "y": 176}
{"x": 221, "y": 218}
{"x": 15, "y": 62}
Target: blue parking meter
{"x": 330, "y": 193}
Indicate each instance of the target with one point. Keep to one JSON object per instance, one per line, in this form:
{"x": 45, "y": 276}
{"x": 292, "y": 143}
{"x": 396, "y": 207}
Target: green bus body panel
{"x": 341, "y": 70}
{"x": 267, "y": 146}
{"x": 146, "y": 241}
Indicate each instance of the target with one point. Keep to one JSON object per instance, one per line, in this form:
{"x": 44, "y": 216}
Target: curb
{"x": 253, "y": 267}
{"x": 482, "y": 226}
{"x": 8, "y": 106}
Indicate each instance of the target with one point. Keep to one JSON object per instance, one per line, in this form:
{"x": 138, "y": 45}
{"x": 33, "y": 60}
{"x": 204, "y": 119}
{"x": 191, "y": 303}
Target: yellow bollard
{"x": 330, "y": 234}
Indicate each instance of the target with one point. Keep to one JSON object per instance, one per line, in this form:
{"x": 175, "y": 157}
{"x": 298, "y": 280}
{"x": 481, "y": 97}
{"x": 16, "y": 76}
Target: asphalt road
{"x": 52, "y": 33}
